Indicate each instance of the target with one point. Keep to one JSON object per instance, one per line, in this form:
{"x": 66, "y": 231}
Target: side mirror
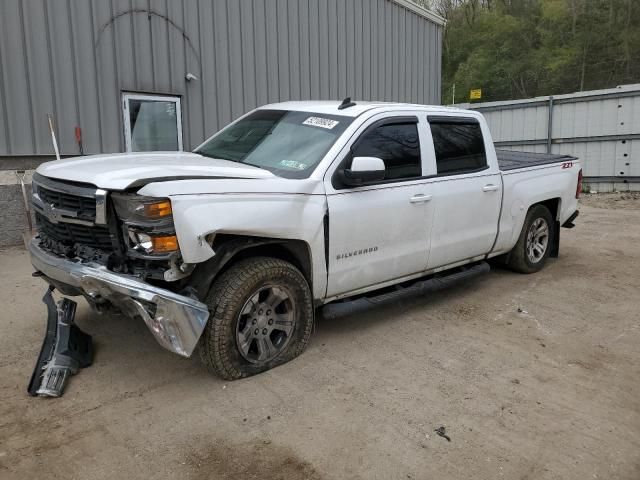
{"x": 363, "y": 170}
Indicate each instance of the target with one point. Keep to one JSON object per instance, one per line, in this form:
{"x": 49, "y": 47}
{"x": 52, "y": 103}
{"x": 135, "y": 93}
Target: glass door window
{"x": 152, "y": 123}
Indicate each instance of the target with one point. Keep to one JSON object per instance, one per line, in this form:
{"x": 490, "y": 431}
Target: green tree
{"x": 525, "y": 48}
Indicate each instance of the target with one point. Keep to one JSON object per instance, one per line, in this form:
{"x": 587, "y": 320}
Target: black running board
{"x": 420, "y": 287}
{"x": 65, "y": 349}
{"x": 433, "y": 283}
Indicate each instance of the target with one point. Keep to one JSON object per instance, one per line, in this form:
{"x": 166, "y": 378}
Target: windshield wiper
{"x": 218, "y": 157}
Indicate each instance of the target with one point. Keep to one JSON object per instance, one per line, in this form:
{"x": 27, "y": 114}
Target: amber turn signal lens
{"x": 164, "y": 244}
{"x": 158, "y": 210}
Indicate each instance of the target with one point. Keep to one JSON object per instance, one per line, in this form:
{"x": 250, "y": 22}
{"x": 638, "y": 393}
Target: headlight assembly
{"x": 151, "y": 244}
{"x": 148, "y": 210}
{"x": 147, "y": 223}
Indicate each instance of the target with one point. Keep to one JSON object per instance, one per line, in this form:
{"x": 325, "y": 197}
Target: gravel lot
{"x": 533, "y": 376}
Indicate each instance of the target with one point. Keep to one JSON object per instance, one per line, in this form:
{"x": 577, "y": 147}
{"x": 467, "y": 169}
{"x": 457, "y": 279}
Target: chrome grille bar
{"x": 65, "y": 193}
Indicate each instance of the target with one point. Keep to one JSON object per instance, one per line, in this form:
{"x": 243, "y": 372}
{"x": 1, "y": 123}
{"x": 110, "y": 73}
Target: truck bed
{"x": 510, "y": 160}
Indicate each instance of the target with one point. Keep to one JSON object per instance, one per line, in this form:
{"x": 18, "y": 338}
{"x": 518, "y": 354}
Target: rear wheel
{"x": 534, "y": 244}
{"x": 261, "y": 316}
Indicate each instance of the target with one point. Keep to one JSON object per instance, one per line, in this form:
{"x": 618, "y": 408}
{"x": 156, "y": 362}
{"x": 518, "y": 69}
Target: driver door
{"x": 379, "y": 232}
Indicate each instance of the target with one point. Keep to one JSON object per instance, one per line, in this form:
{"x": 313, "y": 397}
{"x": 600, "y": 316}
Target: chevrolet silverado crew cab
{"x": 231, "y": 249}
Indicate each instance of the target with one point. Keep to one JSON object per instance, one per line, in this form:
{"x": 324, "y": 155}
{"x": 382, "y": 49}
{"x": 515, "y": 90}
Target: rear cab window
{"x": 459, "y": 145}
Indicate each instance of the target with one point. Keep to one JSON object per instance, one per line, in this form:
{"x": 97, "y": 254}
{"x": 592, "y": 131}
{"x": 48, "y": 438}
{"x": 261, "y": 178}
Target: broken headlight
{"x": 152, "y": 244}
{"x": 146, "y": 210}
{"x": 147, "y": 223}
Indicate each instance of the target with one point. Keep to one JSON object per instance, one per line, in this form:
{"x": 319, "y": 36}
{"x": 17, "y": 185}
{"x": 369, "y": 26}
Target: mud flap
{"x": 65, "y": 349}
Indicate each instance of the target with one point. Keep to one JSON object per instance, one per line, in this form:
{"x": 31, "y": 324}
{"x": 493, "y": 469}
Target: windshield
{"x": 289, "y": 144}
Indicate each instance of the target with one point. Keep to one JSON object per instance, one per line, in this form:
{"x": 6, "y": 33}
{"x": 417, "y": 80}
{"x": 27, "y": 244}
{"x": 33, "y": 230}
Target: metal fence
{"x": 600, "y": 127}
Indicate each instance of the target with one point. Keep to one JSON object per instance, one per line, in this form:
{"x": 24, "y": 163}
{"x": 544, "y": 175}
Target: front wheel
{"x": 534, "y": 244}
{"x": 261, "y": 317}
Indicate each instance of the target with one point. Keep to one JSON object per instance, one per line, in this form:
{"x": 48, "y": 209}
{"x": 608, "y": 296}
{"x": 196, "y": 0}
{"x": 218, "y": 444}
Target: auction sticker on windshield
{"x": 293, "y": 164}
{"x": 321, "y": 122}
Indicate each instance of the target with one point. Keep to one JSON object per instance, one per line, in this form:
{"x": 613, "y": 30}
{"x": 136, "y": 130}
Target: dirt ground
{"x": 533, "y": 376}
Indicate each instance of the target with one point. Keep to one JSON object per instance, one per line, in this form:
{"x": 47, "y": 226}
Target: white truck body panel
{"x": 466, "y": 218}
{"x": 525, "y": 187}
{"x": 284, "y": 216}
{"x": 377, "y": 235}
{"x": 118, "y": 171}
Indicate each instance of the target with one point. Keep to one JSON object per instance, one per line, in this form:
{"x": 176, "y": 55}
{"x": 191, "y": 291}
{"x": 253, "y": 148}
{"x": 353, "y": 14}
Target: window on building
{"x": 398, "y": 145}
{"x": 459, "y": 147}
{"x": 152, "y": 123}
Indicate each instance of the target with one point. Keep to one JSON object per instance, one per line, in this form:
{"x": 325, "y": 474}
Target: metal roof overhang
{"x": 423, "y": 12}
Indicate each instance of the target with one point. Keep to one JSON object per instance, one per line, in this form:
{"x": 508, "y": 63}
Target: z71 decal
{"x": 567, "y": 165}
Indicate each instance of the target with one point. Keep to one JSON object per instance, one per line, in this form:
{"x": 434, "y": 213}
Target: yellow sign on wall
{"x": 475, "y": 94}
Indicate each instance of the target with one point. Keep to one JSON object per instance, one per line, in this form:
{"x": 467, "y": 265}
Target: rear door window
{"x": 458, "y": 144}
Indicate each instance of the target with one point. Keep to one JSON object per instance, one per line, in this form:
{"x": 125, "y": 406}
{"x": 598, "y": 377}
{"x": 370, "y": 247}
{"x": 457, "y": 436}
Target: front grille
{"x": 95, "y": 236}
{"x": 86, "y": 207}
{"x": 71, "y": 215}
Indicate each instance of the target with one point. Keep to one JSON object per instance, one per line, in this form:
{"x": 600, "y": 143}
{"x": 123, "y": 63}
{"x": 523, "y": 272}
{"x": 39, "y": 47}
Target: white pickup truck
{"x": 233, "y": 248}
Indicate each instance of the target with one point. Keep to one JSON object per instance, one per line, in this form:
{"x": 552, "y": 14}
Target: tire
{"x": 526, "y": 256}
{"x": 234, "y": 343}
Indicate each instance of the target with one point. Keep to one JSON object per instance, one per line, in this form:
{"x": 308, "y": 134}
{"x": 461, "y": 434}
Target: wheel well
{"x": 295, "y": 252}
{"x": 231, "y": 248}
{"x": 553, "y": 204}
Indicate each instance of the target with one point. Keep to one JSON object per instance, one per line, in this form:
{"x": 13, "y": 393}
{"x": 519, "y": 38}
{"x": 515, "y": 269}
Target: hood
{"x": 122, "y": 170}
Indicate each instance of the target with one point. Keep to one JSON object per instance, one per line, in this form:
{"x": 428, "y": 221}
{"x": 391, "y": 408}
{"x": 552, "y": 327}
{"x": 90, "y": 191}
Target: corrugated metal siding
{"x": 527, "y": 123}
{"x": 74, "y": 59}
{"x": 601, "y": 127}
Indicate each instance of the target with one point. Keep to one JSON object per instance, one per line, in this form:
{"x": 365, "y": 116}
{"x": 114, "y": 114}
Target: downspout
{"x": 550, "y": 124}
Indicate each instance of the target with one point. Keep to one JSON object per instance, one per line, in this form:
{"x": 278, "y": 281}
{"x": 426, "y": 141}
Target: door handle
{"x": 490, "y": 188}
{"x": 419, "y": 198}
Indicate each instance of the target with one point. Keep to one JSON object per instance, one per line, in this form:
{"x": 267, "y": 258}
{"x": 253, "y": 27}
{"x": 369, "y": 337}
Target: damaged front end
{"x": 120, "y": 251}
{"x": 175, "y": 320}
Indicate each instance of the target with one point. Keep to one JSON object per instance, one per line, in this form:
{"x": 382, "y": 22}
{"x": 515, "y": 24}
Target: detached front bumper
{"x": 176, "y": 321}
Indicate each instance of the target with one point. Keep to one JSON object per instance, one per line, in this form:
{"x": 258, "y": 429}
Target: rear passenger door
{"x": 467, "y": 192}
{"x": 379, "y": 232}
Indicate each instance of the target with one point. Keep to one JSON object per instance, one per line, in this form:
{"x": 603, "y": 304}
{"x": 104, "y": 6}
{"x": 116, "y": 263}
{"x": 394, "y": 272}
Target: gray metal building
{"x": 600, "y": 127}
{"x": 121, "y": 75}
